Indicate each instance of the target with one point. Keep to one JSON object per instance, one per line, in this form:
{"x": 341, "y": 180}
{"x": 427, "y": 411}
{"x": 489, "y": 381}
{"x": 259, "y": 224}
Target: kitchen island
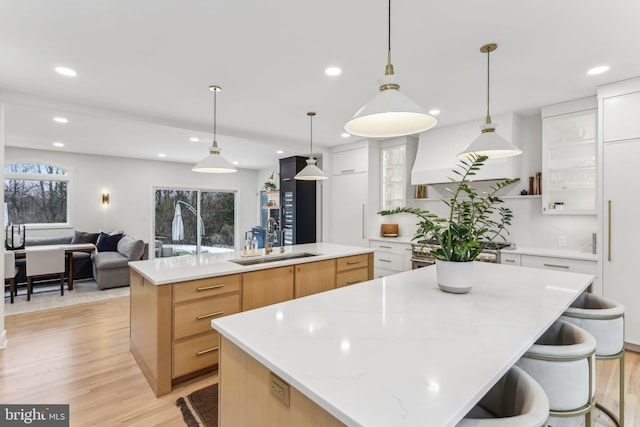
{"x": 174, "y": 299}
{"x": 394, "y": 351}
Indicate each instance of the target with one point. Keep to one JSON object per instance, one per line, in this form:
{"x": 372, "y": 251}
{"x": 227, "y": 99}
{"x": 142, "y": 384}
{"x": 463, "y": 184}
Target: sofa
{"x": 111, "y": 267}
{"x": 108, "y": 265}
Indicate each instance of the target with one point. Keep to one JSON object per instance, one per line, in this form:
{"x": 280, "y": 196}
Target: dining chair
{"x": 44, "y": 262}
{"x": 10, "y": 272}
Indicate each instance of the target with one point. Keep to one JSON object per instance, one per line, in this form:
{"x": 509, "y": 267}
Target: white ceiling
{"x": 144, "y": 67}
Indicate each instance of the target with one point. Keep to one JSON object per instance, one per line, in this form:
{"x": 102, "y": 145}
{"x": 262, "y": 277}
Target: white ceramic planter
{"x": 454, "y": 277}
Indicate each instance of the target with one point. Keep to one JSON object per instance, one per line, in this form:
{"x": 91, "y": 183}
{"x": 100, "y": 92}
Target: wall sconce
{"x": 105, "y": 198}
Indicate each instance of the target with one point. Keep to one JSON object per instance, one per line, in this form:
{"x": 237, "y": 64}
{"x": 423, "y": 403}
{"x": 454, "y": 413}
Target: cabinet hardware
{"x": 509, "y": 260}
{"x": 351, "y": 282}
{"x": 609, "y": 232}
{"x": 204, "y": 316}
{"x": 555, "y": 265}
{"x": 353, "y": 262}
{"x": 363, "y": 221}
{"x": 385, "y": 247}
{"x": 286, "y": 179}
{"x": 347, "y": 171}
{"x": 384, "y": 260}
{"x": 208, "y": 288}
{"x": 209, "y": 350}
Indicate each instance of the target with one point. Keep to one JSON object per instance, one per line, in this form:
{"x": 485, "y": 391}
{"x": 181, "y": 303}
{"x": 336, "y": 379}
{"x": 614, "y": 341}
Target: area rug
{"x": 200, "y": 408}
{"x": 46, "y": 298}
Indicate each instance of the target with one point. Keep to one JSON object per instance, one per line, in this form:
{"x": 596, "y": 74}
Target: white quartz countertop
{"x": 397, "y": 351}
{"x": 554, "y": 253}
{"x": 161, "y": 271}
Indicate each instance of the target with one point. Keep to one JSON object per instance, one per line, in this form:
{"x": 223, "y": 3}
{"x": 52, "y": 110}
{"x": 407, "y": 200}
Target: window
{"x": 181, "y": 216}
{"x": 36, "y": 194}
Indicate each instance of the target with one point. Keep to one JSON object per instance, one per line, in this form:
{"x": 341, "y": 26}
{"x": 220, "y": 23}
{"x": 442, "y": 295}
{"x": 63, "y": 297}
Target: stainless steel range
{"x": 421, "y": 253}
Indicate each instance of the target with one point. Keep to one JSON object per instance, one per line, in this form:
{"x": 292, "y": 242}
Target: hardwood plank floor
{"x": 80, "y": 355}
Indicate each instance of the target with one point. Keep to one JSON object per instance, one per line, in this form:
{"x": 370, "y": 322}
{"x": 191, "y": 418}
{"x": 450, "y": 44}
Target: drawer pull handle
{"x": 351, "y": 282}
{"x": 385, "y": 247}
{"x": 509, "y": 260}
{"x": 353, "y": 262}
{"x": 209, "y": 350}
{"x": 204, "y": 316}
{"x": 208, "y": 288}
{"x": 384, "y": 260}
{"x": 347, "y": 170}
{"x": 556, "y": 265}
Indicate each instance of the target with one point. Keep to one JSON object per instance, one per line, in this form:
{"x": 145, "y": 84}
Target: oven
{"x": 421, "y": 253}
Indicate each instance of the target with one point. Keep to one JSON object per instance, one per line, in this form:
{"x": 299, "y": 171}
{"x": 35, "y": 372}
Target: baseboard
{"x": 3, "y": 340}
{"x": 632, "y": 347}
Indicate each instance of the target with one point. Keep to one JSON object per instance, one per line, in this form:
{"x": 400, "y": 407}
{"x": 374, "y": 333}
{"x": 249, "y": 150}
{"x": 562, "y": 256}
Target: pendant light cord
{"x": 389, "y": 66}
{"x": 215, "y": 97}
{"x": 311, "y": 136}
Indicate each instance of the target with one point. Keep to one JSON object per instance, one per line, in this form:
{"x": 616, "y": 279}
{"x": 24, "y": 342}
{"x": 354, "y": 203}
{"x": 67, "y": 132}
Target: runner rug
{"x": 200, "y": 408}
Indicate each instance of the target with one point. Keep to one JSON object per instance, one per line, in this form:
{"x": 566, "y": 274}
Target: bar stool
{"x": 516, "y": 400}
{"x": 562, "y": 362}
{"x": 604, "y": 319}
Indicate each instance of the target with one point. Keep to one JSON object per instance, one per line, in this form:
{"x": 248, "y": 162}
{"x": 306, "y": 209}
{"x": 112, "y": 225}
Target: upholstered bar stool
{"x": 603, "y": 318}
{"x": 516, "y": 400}
{"x": 562, "y": 362}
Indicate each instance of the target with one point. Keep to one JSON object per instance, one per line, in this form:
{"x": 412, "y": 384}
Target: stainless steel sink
{"x": 272, "y": 258}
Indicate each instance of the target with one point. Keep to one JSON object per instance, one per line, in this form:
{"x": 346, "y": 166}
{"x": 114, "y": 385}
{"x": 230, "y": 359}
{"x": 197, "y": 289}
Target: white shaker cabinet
{"x": 390, "y": 257}
{"x": 619, "y": 119}
{"x": 569, "y": 157}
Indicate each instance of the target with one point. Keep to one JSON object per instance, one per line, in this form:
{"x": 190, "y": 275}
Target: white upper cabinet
{"x": 350, "y": 161}
{"x": 621, "y": 120}
{"x": 569, "y": 171}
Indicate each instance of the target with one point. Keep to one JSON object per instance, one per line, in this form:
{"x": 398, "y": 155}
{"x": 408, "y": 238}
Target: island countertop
{"x": 161, "y": 271}
{"x": 397, "y": 351}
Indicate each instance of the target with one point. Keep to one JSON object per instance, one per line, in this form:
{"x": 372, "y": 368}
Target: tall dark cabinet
{"x": 297, "y": 202}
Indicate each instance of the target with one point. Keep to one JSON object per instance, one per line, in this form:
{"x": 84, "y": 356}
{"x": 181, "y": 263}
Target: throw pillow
{"x": 84, "y": 237}
{"x": 108, "y": 243}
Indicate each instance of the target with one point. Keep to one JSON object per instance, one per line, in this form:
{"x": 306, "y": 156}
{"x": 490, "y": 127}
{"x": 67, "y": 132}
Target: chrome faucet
{"x": 267, "y": 246}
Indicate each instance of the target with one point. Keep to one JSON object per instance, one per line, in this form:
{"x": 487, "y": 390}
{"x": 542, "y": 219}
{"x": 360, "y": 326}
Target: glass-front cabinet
{"x": 396, "y": 159}
{"x": 569, "y": 172}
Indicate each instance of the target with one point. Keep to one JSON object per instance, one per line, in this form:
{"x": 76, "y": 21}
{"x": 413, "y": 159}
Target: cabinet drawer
{"x": 195, "y": 353}
{"x": 194, "y": 317}
{"x": 349, "y": 262}
{"x": 351, "y": 277}
{"x": 388, "y": 260}
{"x": 560, "y": 264}
{"x": 388, "y": 246}
{"x": 195, "y": 289}
{"x": 510, "y": 259}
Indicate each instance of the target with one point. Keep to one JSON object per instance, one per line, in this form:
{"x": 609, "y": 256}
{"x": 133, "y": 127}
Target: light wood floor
{"x": 80, "y": 355}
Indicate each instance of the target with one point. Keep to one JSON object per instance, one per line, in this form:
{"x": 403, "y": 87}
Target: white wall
{"x": 130, "y": 183}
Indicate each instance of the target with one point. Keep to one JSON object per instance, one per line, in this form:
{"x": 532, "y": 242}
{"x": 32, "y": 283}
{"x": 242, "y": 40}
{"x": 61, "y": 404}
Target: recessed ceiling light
{"x": 434, "y": 112}
{"x": 194, "y": 139}
{"x": 235, "y": 163}
{"x": 66, "y": 71}
{"x": 598, "y": 70}
{"x": 58, "y": 144}
{"x": 279, "y": 152}
{"x": 345, "y": 135}
{"x": 162, "y": 155}
{"x": 333, "y": 71}
{"x": 60, "y": 120}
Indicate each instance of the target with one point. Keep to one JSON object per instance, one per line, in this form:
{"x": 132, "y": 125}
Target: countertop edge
{"x": 554, "y": 253}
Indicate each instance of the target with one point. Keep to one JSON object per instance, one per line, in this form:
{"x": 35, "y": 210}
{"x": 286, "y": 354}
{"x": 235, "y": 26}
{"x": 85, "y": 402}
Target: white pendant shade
{"x": 389, "y": 114}
{"x": 490, "y": 144}
{"x": 311, "y": 172}
{"x": 214, "y": 163}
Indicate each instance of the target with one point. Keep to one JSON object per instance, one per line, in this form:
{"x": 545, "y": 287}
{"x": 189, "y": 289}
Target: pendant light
{"x": 311, "y": 172}
{"x": 489, "y": 143}
{"x": 214, "y": 162}
{"x": 390, "y": 113}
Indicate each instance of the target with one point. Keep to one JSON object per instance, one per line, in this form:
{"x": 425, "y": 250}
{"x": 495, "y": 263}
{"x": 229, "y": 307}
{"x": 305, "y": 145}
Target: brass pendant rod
{"x": 311, "y": 114}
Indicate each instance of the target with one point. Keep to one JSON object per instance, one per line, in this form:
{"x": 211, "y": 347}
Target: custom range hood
{"x": 438, "y": 149}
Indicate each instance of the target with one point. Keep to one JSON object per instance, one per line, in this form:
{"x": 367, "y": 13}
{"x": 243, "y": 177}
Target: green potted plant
{"x": 473, "y": 219}
{"x": 270, "y": 186}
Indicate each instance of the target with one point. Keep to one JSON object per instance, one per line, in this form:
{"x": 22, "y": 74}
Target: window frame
{"x": 67, "y": 177}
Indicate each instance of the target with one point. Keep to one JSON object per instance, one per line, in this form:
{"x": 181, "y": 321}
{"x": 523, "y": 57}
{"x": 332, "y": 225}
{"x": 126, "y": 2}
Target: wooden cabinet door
{"x": 265, "y": 287}
{"x": 314, "y": 277}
